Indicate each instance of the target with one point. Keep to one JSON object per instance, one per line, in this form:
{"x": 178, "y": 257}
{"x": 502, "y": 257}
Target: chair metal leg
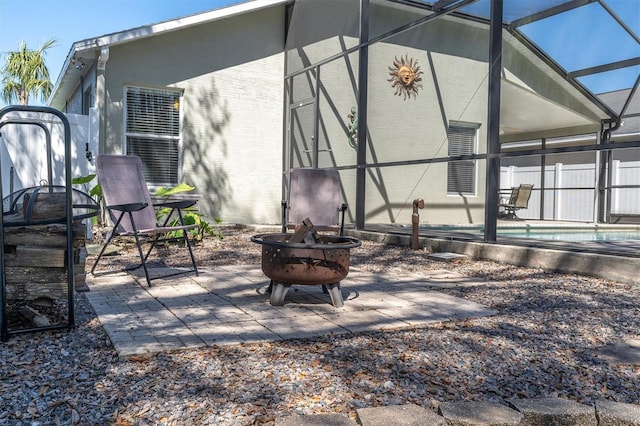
{"x": 185, "y": 235}
{"x": 142, "y": 256}
{"x": 193, "y": 259}
{"x": 153, "y": 243}
{"x": 508, "y": 214}
{"x": 104, "y": 246}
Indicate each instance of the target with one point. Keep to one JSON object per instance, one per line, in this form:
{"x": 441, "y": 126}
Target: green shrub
{"x": 190, "y": 216}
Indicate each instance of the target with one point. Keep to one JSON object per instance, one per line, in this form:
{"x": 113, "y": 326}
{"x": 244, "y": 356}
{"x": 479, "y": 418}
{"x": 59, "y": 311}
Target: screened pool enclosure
{"x": 450, "y": 101}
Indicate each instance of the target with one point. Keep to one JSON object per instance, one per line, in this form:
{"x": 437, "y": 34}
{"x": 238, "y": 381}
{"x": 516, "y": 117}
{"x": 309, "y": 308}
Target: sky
{"x": 68, "y": 21}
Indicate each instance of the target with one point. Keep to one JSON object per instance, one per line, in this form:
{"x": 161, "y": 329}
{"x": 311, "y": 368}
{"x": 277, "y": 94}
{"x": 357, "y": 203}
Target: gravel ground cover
{"x": 543, "y": 342}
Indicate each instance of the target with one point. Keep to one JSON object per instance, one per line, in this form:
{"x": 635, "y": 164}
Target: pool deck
{"x": 617, "y": 260}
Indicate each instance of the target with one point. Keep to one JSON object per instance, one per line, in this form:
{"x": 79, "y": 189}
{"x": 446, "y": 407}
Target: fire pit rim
{"x": 347, "y": 243}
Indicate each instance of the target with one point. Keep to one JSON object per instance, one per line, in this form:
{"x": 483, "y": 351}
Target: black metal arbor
{"x": 67, "y": 219}
{"x": 551, "y": 56}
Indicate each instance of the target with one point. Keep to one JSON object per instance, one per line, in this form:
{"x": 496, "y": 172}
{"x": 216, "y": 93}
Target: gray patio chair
{"x": 127, "y": 199}
{"x": 517, "y": 200}
{"x": 314, "y": 194}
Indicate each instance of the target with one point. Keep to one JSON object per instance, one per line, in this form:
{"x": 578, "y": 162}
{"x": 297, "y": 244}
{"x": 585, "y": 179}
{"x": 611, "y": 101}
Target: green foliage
{"x": 167, "y": 192}
{"x": 95, "y": 191}
{"x": 83, "y": 179}
{"x": 190, "y": 216}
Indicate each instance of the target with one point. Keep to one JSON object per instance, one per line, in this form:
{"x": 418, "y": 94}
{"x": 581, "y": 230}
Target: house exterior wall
{"x": 77, "y": 104}
{"x": 74, "y": 104}
{"x": 230, "y": 74}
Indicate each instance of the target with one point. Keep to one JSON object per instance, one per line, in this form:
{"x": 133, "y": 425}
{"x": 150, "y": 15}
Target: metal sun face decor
{"x": 405, "y": 76}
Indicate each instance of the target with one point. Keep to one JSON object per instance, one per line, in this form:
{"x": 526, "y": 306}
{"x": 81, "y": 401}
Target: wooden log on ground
{"x": 40, "y": 257}
{"x": 51, "y": 235}
{"x": 29, "y": 283}
{"x": 34, "y": 317}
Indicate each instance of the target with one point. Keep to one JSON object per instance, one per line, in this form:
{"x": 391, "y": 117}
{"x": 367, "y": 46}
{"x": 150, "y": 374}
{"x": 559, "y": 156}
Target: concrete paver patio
{"x": 228, "y": 305}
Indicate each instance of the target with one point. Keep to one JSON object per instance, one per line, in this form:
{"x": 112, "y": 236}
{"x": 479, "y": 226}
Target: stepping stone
{"x": 446, "y": 257}
{"x": 94, "y": 249}
{"x": 316, "y": 420}
{"x": 611, "y": 413}
{"x": 556, "y": 411}
{"x": 627, "y": 352}
{"x": 467, "y": 413}
{"x": 442, "y": 278}
{"x": 399, "y": 415}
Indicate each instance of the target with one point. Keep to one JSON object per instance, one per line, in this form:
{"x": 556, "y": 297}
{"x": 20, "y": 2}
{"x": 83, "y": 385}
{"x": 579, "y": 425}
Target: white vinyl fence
{"x": 625, "y": 201}
{"x": 23, "y": 149}
{"x": 574, "y": 204}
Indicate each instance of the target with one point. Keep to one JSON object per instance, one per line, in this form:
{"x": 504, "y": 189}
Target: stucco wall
{"x": 320, "y": 29}
{"x": 230, "y": 72}
{"x": 76, "y": 104}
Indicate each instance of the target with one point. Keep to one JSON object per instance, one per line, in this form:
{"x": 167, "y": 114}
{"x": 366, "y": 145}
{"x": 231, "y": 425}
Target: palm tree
{"x": 25, "y": 73}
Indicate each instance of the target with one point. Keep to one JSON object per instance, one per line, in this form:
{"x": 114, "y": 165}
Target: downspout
{"x": 604, "y": 182}
{"x": 418, "y": 203}
{"x": 286, "y": 110}
{"x": 82, "y": 101}
{"x": 604, "y": 210}
{"x": 101, "y": 97}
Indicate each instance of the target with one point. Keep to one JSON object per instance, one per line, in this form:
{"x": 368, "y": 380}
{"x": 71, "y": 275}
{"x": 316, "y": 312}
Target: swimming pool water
{"x": 566, "y": 235}
{"x": 552, "y": 233}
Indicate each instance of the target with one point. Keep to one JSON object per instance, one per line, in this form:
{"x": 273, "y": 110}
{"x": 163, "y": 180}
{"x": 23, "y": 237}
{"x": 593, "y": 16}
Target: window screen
{"x": 461, "y": 175}
{"x": 153, "y": 132}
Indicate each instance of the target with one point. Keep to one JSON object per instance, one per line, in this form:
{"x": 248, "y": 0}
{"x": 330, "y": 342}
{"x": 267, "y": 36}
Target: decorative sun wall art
{"x": 405, "y": 77}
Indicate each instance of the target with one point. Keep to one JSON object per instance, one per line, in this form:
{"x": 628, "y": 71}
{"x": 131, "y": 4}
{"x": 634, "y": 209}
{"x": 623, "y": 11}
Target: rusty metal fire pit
{"x": 325, "y": 263}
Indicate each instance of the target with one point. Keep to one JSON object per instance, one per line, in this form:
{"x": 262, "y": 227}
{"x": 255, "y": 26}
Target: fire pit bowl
{"x": 325, "y": 263}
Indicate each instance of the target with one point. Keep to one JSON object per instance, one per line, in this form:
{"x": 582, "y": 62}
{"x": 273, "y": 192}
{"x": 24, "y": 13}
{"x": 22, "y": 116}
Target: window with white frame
{"x": 152, "y": 123}
{"x": 461, "y": 175}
